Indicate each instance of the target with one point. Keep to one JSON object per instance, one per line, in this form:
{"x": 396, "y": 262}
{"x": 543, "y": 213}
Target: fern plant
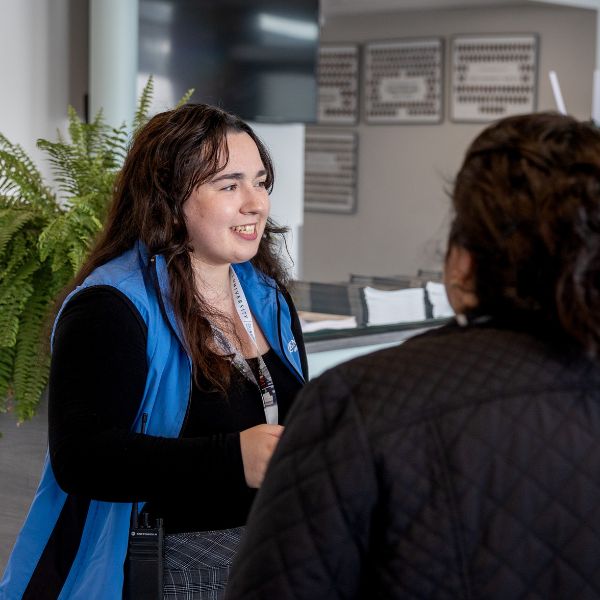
{"x": 45, "y": 235}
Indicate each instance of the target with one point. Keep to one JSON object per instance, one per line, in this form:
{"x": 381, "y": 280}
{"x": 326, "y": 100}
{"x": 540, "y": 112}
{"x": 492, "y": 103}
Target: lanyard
{"x": 264, "y": 382}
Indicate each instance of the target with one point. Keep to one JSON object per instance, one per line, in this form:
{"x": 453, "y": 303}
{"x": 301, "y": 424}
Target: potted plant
{"x": 45, "y": 235}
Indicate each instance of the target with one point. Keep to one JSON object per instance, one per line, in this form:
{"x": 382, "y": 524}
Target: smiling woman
{"x": 225, "y": 219}
{"x": 177, "y": 353}
{"x": 226, "y": 216}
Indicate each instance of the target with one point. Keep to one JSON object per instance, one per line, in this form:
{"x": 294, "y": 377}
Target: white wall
{"x": 402, "y": 211}
{"x": 34, "y": 69}
{"x": 113, "y": 48}
{"x": 285, "y": 143}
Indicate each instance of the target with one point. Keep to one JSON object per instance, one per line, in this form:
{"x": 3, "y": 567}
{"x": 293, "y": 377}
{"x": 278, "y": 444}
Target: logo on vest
{"x": 292, "y": 346}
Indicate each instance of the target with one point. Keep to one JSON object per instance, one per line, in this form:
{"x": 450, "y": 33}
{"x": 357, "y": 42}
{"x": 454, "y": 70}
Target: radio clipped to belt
{"x": 144, "y": 561}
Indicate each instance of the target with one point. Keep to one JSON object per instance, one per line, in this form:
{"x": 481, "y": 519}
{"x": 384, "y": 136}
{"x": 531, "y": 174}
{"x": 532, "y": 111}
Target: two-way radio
{"x": 144, "y": 561}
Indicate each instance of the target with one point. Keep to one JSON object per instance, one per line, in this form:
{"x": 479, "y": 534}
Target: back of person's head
{"x": 527, "y": 208}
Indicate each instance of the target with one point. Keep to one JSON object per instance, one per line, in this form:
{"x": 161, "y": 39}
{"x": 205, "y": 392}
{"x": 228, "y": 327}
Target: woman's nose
{"x": 256, "y": 199}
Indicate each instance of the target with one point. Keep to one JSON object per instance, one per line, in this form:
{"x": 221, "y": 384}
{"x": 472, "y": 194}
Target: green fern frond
{"x": 50, "y": 238}
{"x": 12, "y": 221}
{"x": 7, "y": 360}
{"x": 186, "y": 97}
{"x": 144, "y": 102}
{"x": 95, "y": 137}
{"x": 45, "y": 235}
{"x": 32, "y": 356}
{"x": 14, "y": 293}
{"x": 67, "y": 239}
{"x": 76, "y": 164}
{"x": 54, "y": 244}
{"x": 76, "y": 127}
{"x": 81, "y": 171}
{"x": 62, "y": 158}
{"x": 17, "y": 151}
{"x": 117, "y": 144}
{"x": 86, "y": 138}
{"x": 20, "y": 252}
{"x": 9, "y": 201}
{"x": 20, "y": 177}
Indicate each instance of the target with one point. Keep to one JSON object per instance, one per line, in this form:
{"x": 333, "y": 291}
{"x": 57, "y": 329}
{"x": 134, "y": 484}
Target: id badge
{"x": 268, "y": 397}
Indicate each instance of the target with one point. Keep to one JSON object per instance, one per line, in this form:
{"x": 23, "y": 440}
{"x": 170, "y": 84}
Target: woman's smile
{"x": 246, "y": 232}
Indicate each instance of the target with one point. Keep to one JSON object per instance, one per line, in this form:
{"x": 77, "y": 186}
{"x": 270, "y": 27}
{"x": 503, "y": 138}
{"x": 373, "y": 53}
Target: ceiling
{"x": 340, "y": 7}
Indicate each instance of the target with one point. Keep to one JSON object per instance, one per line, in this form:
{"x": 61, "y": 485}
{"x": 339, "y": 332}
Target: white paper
{"x": 346, "y": 323}
{"x": 395, "y": 306}
{"x": 558, "y": 98}
{"x": 439, "y": 300}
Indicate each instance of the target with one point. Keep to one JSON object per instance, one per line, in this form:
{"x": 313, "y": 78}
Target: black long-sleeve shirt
{"x": 194, "y": 482}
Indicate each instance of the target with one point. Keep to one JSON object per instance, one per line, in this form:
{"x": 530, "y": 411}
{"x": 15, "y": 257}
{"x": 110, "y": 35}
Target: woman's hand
{"x": 258, "y": 444}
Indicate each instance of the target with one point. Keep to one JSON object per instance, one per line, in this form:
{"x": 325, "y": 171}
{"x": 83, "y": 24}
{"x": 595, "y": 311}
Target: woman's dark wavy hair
{"x": 170, "y": 156}
{"x": 527, "y": 206}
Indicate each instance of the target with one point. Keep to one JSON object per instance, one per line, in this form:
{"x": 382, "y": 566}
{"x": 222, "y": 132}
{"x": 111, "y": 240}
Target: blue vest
{"x": 97, "y": 571}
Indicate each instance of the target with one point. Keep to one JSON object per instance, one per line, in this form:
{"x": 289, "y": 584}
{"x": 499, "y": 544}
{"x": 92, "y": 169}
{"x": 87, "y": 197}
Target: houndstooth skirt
{"x": 197, "y": 564}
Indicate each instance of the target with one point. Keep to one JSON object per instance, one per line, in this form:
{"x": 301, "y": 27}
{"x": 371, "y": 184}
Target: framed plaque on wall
{"x": 330, "y": 170}
{"x": 404, "y": 81}
{"x": 338, "y": 84}
{"x": 493, "y": 76}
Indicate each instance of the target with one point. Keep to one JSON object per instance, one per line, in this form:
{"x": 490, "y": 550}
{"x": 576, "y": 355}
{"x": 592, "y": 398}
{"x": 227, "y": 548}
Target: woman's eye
{"x": 230, "y": 188}
{"x": 261, "y": 184}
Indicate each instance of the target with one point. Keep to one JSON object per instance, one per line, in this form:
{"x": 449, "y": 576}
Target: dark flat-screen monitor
{"x": 255, "y": 58}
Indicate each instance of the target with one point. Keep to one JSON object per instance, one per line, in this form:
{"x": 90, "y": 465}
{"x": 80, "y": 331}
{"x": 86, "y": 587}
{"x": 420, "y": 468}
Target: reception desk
{"x": 327, "y": 348}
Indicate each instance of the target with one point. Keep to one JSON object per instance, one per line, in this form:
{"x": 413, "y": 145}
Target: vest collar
{"x": 261, "y": 292}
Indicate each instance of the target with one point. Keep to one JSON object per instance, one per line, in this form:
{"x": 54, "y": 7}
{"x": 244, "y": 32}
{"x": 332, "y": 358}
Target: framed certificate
{"x": 338, "y": 75}
{"x": 493, "y": 76}
{"x": 330, "y": 170}
{"x": 403, "y": 81}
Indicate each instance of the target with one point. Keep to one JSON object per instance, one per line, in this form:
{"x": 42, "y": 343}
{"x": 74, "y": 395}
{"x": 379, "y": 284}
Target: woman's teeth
{"x": 249, "y": 229}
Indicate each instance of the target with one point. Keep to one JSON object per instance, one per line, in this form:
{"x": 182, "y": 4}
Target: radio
{"x": 144, "y": 561}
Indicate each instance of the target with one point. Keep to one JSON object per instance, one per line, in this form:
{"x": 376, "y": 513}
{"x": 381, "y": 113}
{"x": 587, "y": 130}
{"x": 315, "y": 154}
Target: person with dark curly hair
{"x": 464, "y": 463}
{"x": 177, "y": 353}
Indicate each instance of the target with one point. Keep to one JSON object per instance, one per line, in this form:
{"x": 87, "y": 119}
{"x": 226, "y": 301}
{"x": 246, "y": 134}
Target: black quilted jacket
{"x": 463, "y": 464}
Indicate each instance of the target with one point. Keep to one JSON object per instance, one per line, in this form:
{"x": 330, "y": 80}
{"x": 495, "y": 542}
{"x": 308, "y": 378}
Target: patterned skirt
{"x": 197, "y": 564}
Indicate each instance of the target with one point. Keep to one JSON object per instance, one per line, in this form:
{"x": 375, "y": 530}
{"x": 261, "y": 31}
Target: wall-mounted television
{"x": 255, "y": 58}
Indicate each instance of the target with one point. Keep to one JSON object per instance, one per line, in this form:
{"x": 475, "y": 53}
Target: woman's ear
{"x": 459, "y": 279}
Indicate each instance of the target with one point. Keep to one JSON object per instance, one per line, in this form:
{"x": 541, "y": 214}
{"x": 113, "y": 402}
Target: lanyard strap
{"x": 264, "y": 382}
{"x": 241, "y": 305}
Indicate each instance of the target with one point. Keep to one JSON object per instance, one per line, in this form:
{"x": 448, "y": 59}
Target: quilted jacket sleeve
{"x": 310, "y": 525}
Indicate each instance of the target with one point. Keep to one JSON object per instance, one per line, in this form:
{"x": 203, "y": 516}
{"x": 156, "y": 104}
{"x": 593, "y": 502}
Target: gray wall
{"x": 402, "y": 215}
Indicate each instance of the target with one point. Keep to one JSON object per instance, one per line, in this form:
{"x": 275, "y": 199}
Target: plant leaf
{"x": 185, "y": 98}
{"x": 46, "y": 234}
{"x": 7, "y": 359}
{"x": 20, "y": 177}
{"x": 144, "y": 102}
{"x": 32, "y": 352}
